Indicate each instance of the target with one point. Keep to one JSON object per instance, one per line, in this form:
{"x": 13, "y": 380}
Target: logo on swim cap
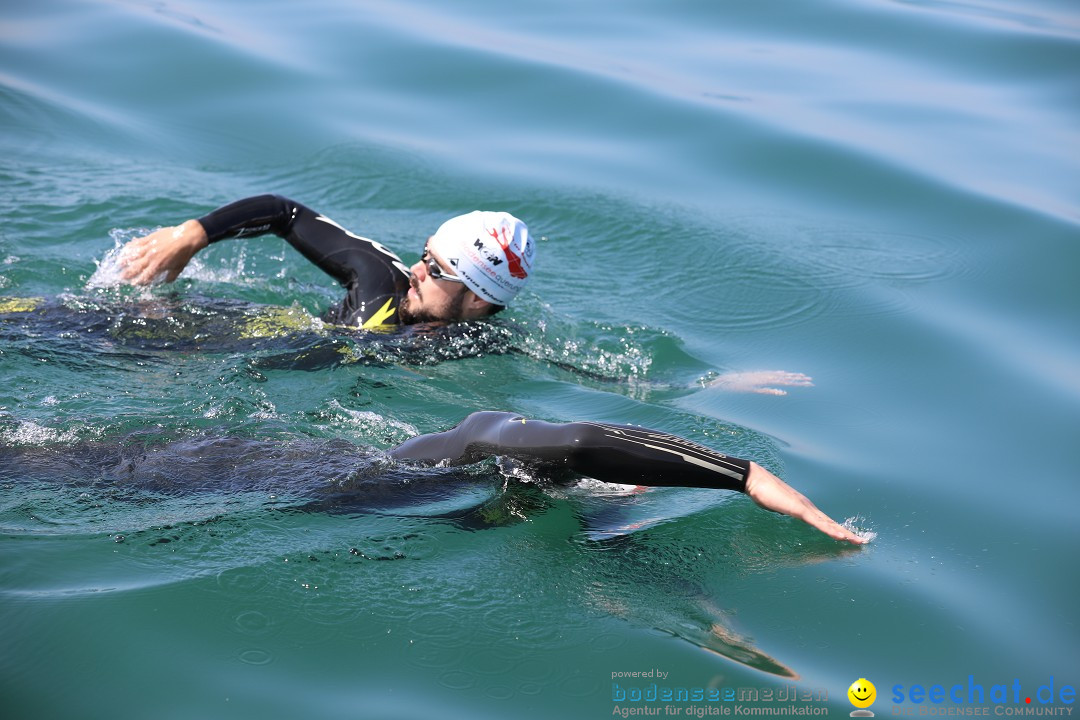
{"x": 491, "y": 251}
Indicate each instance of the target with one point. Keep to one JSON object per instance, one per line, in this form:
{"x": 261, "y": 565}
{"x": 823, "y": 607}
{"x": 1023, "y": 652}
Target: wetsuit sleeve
{"x": 612, "y": 453}
{"x": 338, "y": 252}
{"x": 373, "y": 275}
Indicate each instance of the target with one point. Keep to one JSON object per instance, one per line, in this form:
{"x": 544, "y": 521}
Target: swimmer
{"x": 470, "y": 268}
{"x": 335, "y": 476}
{"x": 549, "y": 452}
{"x": 614, "y": 453}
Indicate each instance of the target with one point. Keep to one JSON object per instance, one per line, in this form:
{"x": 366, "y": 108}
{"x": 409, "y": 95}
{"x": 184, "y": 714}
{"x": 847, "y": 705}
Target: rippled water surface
{"x": 197, "y": 515}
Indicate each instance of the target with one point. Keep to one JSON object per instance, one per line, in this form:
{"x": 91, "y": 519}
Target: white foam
{"x": 368, "y": 421}
{"x": 599, "y": 488}
{"x": 29, "y": 433}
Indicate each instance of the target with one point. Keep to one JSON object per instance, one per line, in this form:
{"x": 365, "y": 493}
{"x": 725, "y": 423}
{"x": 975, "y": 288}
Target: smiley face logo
{"x": 862, "y": 693}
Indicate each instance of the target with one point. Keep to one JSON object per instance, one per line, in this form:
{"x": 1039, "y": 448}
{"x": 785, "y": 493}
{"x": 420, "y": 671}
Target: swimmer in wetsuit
{"x": 614, "y": 453}
{"x": 549, "y": 451}
{"x": 471, "y": 267}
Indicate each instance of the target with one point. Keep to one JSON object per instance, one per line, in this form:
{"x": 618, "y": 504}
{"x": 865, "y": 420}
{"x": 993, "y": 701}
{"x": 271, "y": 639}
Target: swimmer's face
{"x": 433, "y": 298}
{"x": 862, "y": 693}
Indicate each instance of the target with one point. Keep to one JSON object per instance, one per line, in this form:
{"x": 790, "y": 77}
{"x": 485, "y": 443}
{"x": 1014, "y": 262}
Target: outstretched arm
{"x": 615, "y": 453}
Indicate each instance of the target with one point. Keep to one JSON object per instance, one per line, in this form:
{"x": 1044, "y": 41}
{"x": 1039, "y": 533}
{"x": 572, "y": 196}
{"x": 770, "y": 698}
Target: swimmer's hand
{"x": 162, "y": 255}
{"x": 758, "y": 381}
{"x": 772, "y": 493}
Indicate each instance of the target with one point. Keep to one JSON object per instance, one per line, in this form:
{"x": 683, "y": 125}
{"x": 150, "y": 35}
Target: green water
{"x": 881, "y": 195}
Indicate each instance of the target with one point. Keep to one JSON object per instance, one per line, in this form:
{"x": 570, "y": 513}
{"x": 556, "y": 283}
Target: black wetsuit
{"x": 376, "y": 280}
{"x": 613, "y": 453}
{"x": 550, "y": 451}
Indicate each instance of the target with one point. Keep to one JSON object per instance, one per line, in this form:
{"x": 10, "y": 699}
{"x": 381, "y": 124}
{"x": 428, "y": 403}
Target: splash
{"x": 860, "y": 526}
{"x": 604, "y": 352}
{"x": 368, "y": 424}
{"x": 108, "y": 272}
{"x": 26, "y": 433}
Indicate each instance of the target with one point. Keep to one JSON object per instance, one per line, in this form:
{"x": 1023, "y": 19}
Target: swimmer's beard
{"x": 411, "y": 316}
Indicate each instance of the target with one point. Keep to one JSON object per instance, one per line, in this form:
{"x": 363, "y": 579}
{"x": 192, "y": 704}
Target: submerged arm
{"x": 615, "y": 453}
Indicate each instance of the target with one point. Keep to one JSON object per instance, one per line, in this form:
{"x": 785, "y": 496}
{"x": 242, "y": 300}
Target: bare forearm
{"x": 772, "y": 493}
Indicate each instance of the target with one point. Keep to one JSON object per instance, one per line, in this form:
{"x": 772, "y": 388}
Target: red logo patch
{"x": 512, "y": 259}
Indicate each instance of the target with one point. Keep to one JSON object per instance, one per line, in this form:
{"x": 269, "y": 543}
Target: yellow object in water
{"x": 19, "y": 305}
{"x": 275, "y": 322}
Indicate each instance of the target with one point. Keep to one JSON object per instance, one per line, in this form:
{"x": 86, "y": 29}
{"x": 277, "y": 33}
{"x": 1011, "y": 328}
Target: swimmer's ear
{"x": 475, "y": 306}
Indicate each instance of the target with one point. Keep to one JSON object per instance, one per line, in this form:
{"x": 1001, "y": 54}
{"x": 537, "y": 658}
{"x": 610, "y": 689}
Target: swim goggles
{"x": 435, "y": 270}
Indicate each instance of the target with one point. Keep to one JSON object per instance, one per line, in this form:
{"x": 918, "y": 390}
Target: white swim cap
{"x": 490, "y": 251}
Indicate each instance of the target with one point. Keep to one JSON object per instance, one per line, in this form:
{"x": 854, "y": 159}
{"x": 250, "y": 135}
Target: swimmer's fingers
{"x": 791, "y": 379}
{"x": 761, "y": 381}
{"x": 824, "y": 523}
{"x": 779, "y": 377}
{"x": 772, "y": 493}
{"x": 135, "y": 260}
{"x": 165, "y": 252}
